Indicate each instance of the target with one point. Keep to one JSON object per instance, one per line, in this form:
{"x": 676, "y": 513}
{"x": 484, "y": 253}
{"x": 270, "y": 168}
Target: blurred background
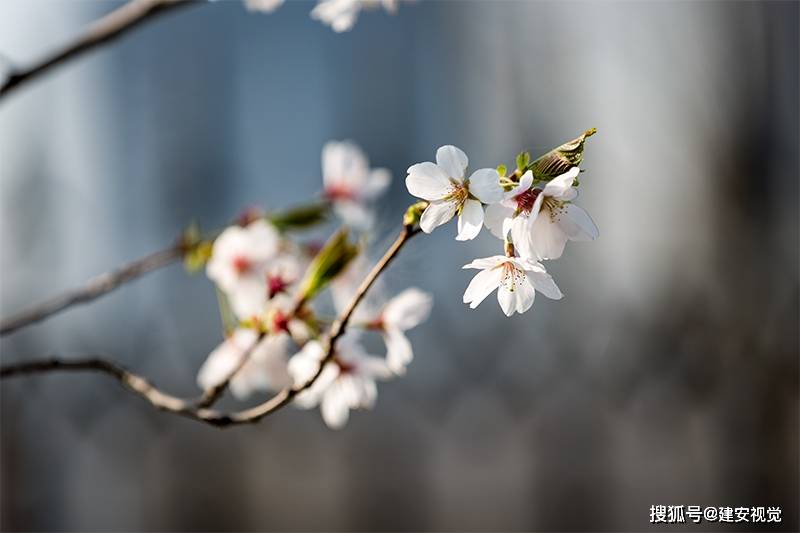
{"x": 667, "y": 376}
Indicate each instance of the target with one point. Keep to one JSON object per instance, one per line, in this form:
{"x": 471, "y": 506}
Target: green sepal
{"x": 523, "y": 160}
{"x": 414, "y": 212}
{"x": 501, "y": 170}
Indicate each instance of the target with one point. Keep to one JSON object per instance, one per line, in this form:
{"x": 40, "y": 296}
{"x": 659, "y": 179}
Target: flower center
{"x": 276, "y": 285}
{"x": 525, "y": 200}
{"x": 280, "y": 322}
{"x": 241, "y": 264}
{"x": 339, "y": 192}
{"x": 554, "y": 208}
{"x": 512, "y": 276}
{"x": 458, "y": 193}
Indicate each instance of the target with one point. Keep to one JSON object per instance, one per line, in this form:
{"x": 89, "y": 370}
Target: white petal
{"x": 377, "y": 182}
{"x": 427, "y": 181}
{"x": 470, "y": 220}
{"x": 343, "y": 163}
{"x": 248, "y": 297}
{"x": 354, "y": 214}
{"x": 408, "y": 309}
{"x": 577, "y": 224}
{"x": 453, "y": 161}
{"x": 495, "y": 215}
{"x": 373, "y": 367}
{"x": 543, "y": 282}
{"x": 524, "y": 184}
{"x": 486, "y": 262}
{"x": 481, "y": 286}
{"x": 507, "y": 300}
{"x": 335, "y": 410}
{"x": 265, "y": 6}
{"x": 524, "y": 295}
{"x": 558, "y": 186}
{"x": 484, "y": 184}
{"x": 437, "y": 213}
{"x": 398, "y": 351}
{"x": 546, "y": 237}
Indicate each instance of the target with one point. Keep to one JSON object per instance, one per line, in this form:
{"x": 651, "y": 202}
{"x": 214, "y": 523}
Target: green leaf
{"x": 502, "y": 169}
{"x": 561, "y": 159}
{"x": 523, "y": 159}
{"x": 301, "y": 217}
{"x": 329, "y": 263}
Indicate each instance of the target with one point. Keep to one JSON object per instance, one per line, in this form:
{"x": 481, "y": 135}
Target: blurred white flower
{"x": 341, "y": 15}
{"x": 283, "y": 273}
{"x": 403, "y": 312}
{"x": 239, "y": 262}
{"x": 350, "y": 184}
{"x": 443, "y": 185}
{"x": 541, "y": 221}
{"x": 265, "y": 6}
{"x": 266, "y": 367}
{"x": 515, "y": 280}
{"x": 346, "y": 382}
{"x": 280, "y": 317}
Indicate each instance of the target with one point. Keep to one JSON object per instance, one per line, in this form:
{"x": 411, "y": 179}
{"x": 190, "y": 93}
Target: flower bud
{"x": 414, "y": 213}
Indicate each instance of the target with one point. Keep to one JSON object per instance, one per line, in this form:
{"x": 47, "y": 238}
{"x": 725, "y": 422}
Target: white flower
{"x": 280, "y": 318}
{"x": 515, "y": 280}
{"x": 403, "y": 312}
{"x": 341, "y": 15}
{"x": 443, "y": 185}
{"x": 346, "y": 382}
{"x": 541, "y": 221}
{"x": 265, "y": 369}
{"x": 239, "y": 262}
{"x": 349, "y": 182}
{"x": 265, "y": 6}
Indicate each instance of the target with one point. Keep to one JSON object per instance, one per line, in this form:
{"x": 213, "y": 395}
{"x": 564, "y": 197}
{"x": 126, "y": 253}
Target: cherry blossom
{"x": 350, "y": 183}
{"x": 239, "y": 263}
{"x": 541, "y": 221}
{"x": 348, "y": 381}
{"x": 443, "y": 184}
{"x": 265, "y": 369}
{"x": 341, "y": 15}
{"x": 403, "y": 312}
{"x": 265, "y": 6}
{"x": 515, "y": 279}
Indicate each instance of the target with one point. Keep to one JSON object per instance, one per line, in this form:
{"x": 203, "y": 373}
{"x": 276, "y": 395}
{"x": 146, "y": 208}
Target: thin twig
{"x": 105, "y": 29}
{"x": 93, "y": 289}
{"x": 194, "y": 409}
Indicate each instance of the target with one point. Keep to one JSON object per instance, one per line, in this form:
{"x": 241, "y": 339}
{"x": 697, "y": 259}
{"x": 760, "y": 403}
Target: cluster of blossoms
{"x": 340, "y": 15}
{"x": 531, "y": 211}
{"x": 269, "y": 283}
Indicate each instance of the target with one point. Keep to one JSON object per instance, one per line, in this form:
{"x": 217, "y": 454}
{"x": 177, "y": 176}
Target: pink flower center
{"x": 525, "y": 200}
{"x": 339, "y": 192}
{"x": 241, "y": 264}
{"x": 280, "y": 322}
{"x": 276, "y": 285}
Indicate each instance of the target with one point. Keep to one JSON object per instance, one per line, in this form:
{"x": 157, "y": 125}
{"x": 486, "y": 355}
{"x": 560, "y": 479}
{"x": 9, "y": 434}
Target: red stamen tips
{"x": 276, "y": 285}
{"x": 525, "y": 200}
{"x": 280, "y": 322}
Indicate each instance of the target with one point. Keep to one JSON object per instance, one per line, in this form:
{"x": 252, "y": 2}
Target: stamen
{"x": 525, "y": 200}
{"x": 339, "y": 192}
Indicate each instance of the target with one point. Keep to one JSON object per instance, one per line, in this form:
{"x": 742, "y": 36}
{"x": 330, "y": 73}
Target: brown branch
{"x": 95, "y": 288}
{"x": 197, "y": 409}
{"x": 103, "y": 30}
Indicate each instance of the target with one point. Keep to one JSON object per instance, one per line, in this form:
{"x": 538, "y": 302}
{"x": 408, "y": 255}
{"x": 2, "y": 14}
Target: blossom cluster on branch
{"x": 531, "y": 210}
{"x": 340, "y": 15}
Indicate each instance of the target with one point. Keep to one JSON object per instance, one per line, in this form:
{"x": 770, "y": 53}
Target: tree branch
{"x": 95, "y": 288}
{"x": 103, "y": 30}
{"x": 197, "y": 409}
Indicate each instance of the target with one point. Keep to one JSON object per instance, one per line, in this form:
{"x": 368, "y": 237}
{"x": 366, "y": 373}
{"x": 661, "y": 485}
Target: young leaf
{"x": 561, "y": 159}
{"x": 329, "y": 263}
